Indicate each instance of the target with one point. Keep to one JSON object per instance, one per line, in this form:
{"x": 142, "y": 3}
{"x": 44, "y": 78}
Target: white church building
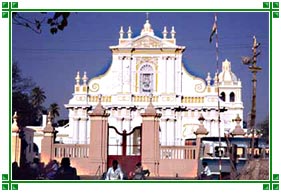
{"x": 148, "y": 67}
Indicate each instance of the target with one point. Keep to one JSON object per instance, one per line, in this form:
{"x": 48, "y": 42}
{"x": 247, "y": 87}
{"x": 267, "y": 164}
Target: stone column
{"x": 47, "y": 142}
{"x": 83, "y": 130}
{"x": 16, "y": 141}
{"x": 98, "y": 138}
{"x": 75, "y": 130}
{"x": 150, "y": 155}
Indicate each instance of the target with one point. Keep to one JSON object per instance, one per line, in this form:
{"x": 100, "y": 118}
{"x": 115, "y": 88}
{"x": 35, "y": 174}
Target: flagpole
{"x": 218, "y": 92}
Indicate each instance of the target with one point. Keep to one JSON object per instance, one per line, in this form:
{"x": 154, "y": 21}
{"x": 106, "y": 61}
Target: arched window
{"x": 146, "y": 79}
{"x": 222, "y": 96}
{"x": 232, "y": 97}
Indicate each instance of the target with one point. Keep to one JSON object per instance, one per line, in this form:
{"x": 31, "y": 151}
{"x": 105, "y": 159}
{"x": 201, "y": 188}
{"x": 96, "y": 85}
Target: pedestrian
{"x": 65, "y": 171}
{"x": 51, "y": 169}
{"x": 206, "y": 174}
{"x": 15, "y": 171}
{"x": 114, "y": 172}
{"x": 140, "y": 173}
{"x": 35, "y": 169}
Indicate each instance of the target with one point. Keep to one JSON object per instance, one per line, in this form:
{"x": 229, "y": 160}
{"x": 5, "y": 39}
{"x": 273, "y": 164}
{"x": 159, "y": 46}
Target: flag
{"x": 214, "y": 29}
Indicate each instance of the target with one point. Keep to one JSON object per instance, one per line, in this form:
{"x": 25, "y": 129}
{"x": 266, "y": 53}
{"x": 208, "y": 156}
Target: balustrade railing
{"x": 71, "y": 150}
{"x": 178, "y": 152}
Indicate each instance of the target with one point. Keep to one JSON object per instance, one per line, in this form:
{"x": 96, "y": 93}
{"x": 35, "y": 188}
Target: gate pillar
{"x": 16, "y": 141}
{"x": 200, "y": 132}
{"x": 47, "y": 142}
{"x": 150, "y": 154}
{"x": 98, "y": 138}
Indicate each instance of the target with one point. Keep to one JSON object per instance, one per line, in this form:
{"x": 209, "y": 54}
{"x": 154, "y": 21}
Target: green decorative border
{"x": 271, "y": 7}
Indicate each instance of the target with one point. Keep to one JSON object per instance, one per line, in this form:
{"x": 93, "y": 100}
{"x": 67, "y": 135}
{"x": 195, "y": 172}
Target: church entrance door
{"x": 125, "y": 148}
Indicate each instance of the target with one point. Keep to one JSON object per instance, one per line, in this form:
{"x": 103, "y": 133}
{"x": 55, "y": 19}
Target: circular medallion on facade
{"x": 95, "y": 87}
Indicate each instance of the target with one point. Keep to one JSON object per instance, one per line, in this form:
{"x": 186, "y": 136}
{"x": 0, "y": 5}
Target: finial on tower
{"x": 50, "y": 117}
{"x": 201, "y": 129}
{"x": 208, "y": 79}
{"x": 121, "y": 32}
{"x": 85, "y": 78}
{"x": 238, "y": 131}
{"x": 130, "y": 32}
{"x": 15, "y": 117}
{"x": 173, "y": 32}
{"x": 165, "y": 32}
{"x": 77, "y": 78}
{"x": 216, "y": 79}
{"x": 15, "y": 127}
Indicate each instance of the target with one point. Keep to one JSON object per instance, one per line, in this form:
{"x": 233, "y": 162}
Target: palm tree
{"x": 54, "y": 110}
{"x": 37, "y": 96}
{"x": 37, "y": 99}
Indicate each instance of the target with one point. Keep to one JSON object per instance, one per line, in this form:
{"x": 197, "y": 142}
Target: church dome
{"x": 227, "y": 75}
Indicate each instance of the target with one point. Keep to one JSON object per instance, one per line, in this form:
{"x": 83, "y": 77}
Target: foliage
{"x": 62, "y": 122}
{"x": 20, "y": 97}
{"x": 263, "y": 128}
{"x": 58, "y": 21}
{"x": 37, "y": 96}
{"x": 28, "y": 99}
{"x": 54, "y": 110}
{"x": 20, "y": 84}
{"x": 25, "y": 111}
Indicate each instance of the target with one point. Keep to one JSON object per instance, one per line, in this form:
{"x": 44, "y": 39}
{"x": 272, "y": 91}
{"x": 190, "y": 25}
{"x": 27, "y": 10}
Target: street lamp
{"x": 252, "y": 62}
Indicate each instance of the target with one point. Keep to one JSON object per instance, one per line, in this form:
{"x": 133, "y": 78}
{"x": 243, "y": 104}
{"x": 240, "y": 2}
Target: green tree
{"x": 20, "y": 97}
{"x": 37, "y": 98}
{"x": 263, "y": 128}
{"x": 54, "y": 110}
{"x": 25, "y": 111}
{"x": 27, "y": 98}
{"x": 19, "y": 83}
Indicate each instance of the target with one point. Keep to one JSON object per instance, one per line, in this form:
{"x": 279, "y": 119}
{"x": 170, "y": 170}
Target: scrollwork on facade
{"x": 200, "y": 87}
{"x": 95, "y": 87}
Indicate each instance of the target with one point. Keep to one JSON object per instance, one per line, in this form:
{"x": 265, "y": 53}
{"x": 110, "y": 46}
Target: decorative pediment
{"x": 147, "y": 42}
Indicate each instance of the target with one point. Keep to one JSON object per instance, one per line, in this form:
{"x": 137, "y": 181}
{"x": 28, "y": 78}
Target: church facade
{"x": 150, "y": 68}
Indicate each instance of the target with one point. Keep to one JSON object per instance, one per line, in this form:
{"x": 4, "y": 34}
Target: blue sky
{"x": 52, "y": 61}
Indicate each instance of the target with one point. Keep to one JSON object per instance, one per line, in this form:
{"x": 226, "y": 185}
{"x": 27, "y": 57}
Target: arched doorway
{"x": 124, "y": 147}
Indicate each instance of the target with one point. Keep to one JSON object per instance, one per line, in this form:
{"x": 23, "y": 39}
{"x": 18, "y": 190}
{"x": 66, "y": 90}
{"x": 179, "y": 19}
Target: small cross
{"x": 147, "y": 15}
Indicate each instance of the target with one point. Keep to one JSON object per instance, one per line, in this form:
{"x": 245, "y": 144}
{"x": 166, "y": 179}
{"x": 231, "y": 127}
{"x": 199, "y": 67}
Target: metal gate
{"x": 125, "y": 148}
